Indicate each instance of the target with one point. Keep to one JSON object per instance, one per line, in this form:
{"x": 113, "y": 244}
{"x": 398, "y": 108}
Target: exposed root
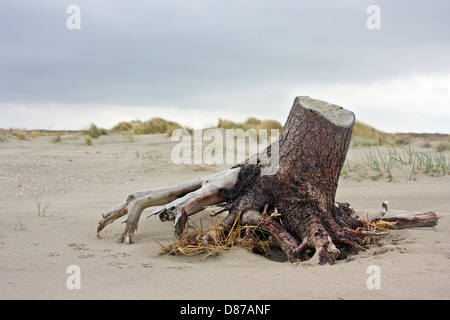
{"x": 232, "y": 233}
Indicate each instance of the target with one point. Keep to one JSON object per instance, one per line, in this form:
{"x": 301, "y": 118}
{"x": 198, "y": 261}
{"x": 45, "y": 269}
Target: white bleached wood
{"x": 191, "y": 196}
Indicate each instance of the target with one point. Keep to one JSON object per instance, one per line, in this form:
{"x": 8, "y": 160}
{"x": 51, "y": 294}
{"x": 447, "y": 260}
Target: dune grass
{"x": 250, "y": 123}
{"x": 363, "y": 134}
{"x": 26, "y": 135}
{"x": 152, "y": 126}
{"x": 367, "y": 135}
{"x": 376, "y": 164}
{"x": 443, "y": 146}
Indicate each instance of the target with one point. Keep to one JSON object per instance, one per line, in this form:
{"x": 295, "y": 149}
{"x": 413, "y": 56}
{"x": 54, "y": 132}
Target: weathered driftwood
{"x": 311, "y": 152}
{"x": 413, "y": 220}
{"x": 178, "y": 201}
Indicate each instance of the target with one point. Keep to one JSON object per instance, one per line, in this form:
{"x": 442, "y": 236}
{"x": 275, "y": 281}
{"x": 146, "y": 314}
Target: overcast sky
{"x": 193, "y": 61}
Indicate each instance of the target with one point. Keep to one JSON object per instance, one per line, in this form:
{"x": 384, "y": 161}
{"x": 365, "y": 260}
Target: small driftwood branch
{"x": 413, "y": 220}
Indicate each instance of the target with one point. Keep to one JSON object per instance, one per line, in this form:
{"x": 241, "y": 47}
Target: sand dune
{"x": 79, "y": 182}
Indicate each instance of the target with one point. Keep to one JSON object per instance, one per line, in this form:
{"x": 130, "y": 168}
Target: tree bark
{"x": 301, "y": 186}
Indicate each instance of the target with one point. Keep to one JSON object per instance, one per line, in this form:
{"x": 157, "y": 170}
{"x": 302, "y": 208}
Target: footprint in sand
{"x": 120, "y": 265}
{"x": 82, "y": 248}
{"x": 78, "y": 246}
{"x": 119, "y": 255}
{"x": 53, "y": 254}
{"x": 147, "y": 265}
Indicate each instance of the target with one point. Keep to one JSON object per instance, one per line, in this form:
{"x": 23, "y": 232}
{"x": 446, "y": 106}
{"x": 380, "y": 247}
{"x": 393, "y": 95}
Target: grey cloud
{"x": 176, "y": 52}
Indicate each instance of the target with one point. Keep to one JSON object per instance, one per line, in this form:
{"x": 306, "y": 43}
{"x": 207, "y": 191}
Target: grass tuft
{"x": 94, "y": 132}
{"x": 20, "y": 226}
{"x": 443, "y": 146}
{"x": 21, "y": 136}
{"x": 42, "y": 209}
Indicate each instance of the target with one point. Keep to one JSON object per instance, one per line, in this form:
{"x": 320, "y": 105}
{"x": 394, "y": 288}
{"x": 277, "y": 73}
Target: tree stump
{"x": 311, "y": 152}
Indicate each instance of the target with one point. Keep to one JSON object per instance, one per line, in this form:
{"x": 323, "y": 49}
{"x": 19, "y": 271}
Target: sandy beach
{"x": 75, "y": 183}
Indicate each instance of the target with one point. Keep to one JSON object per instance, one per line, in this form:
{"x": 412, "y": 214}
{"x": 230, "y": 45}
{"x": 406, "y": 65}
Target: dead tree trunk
{"x": 311, "y": 152}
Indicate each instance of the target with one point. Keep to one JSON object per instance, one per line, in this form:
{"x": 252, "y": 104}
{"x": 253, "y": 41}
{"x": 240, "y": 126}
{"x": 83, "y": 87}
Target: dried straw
{"x": 252, "y": 238}
{"x": 374, "y": 228}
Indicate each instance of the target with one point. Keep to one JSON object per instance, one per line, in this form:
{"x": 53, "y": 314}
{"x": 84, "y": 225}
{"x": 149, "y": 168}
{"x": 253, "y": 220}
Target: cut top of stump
{"x": 334, "y": 113}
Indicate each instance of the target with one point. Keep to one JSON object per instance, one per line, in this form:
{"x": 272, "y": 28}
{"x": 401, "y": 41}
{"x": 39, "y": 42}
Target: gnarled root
{"x": 178, "y": 201}
{"x": 316, "y": 237}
